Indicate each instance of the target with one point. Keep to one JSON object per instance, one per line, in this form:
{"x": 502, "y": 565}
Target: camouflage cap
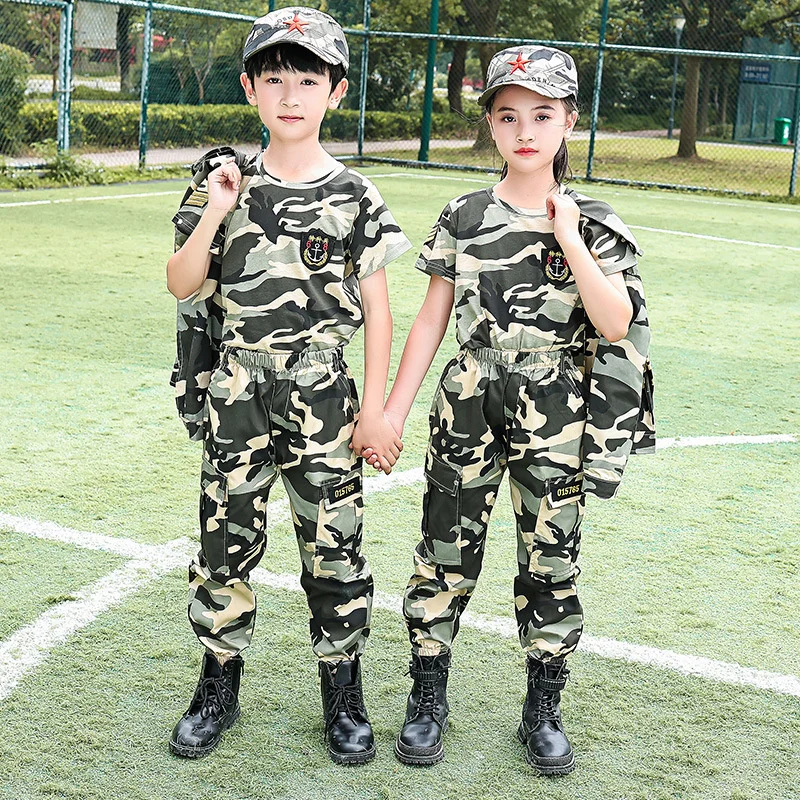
{"x": 315, "y": 30}
{"x": 541, "y": 69}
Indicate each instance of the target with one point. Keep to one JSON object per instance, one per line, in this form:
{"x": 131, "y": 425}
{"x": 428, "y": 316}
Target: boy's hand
{"x": 223, "y": 187}
{"x": 376, "y": 436}
{"x": 564, "y": 210}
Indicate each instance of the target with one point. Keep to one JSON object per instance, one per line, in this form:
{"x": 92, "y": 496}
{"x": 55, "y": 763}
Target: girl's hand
{"x": 397, "y": 421}
{"x": 223, "y": 187}
{"x": 564, "y": 210}
{"x": 376, "y": 437}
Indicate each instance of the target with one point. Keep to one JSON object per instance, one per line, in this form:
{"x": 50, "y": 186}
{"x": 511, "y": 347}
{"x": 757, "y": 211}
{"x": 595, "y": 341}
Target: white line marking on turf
{"x": 30, "y": 645}
{"x": 92, "y": 541}
{"x": 683, "y": 197}
{"x": 431, "y": 177}
{"x": 27, "y": 647}
{"x": 60, "y": 200}
{"x": 707, "y": 441}
{"x": 715, "y": 238}
{"x": 699, "y": 666}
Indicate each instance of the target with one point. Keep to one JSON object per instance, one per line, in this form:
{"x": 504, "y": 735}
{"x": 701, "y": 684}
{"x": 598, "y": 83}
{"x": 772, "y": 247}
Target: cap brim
{"x": 539, "y": 88}
{"x": 308, "y": 45}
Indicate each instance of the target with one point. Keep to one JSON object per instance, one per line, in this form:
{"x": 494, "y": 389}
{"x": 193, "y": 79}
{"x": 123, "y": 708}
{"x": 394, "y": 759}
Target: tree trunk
{"x": 456, "y": 76}
{"x": 687, "y": 148}
{"x": 124, "y": 47}
{"x": 723, "y": 103}
{"x": 706, "y": 71}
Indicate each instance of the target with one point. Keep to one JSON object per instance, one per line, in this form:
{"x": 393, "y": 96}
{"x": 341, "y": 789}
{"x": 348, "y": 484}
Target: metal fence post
{"x": 427, "y": 109}
{"x": 147, "y": 47}
{"x": 264, "y": 129}
{"x": 362, "y": 89}
{"x": 796, "y": 149}
{"x": 65, "y": 47}
{"x": 598, "y": 80}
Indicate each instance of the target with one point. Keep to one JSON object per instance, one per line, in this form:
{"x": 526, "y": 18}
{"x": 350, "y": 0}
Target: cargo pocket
{"x": 644, "y": 437}
{"x": 339, "y": 525}
{"x": 441, "y": 511}
{"x": 556, "y": 538}
{"x": 214, "y": 518}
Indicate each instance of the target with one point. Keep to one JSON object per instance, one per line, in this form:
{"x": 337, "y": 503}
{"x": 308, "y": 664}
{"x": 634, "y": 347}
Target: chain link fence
{"x": 695, "y": 93}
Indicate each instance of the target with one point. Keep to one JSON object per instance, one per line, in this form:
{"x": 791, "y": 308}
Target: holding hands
{"x": 377, "y": 439}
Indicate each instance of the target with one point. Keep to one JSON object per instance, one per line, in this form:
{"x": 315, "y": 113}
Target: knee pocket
{"x": 337, "y": 549}
{"x": 554, "y": 545}
{"x": 441, "y": 511}
{"x": 214, "y": 518}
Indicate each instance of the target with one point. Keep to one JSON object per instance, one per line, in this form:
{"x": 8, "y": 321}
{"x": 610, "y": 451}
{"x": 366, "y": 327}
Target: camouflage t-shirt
{"x": 514, "y": 289}
{"x": 293, "y": 256}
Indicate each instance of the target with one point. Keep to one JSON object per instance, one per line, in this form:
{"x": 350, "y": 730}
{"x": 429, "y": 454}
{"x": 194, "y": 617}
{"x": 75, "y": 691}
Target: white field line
{"x": 683, "y": 197}
{"x": 600, "y": 188}
{"x": 278, "y": 511}
{"x": 707, "y": 441}
{"x": 715, "y": 238}
{"x": 61, "y": 200}
{"x": 417, "y": 176}
{"x": 27, "y": 647}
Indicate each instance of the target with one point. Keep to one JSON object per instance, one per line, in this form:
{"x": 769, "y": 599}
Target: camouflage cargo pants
{"x": 293, "y": 414}
{"x": 494, "y": 410}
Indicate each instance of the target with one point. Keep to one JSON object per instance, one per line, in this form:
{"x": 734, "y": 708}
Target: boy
{"x": 280, "y": 259}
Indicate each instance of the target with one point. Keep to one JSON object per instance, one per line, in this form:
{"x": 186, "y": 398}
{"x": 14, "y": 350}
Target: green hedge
{"x": 15, "y": 67}
{"x": 117, "y": 124}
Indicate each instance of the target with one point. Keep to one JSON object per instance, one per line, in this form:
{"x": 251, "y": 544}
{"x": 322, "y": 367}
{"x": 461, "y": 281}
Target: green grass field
{"x": 722, "y": 166}
{"x": 699, "y": 554}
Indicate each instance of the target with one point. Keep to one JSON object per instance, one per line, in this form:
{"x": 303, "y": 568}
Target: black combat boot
{"x": 547, "y": 747}
{"x": 348, "y": 733}
{"x": 214, "y": 708}
{"x": 420, "y": 740}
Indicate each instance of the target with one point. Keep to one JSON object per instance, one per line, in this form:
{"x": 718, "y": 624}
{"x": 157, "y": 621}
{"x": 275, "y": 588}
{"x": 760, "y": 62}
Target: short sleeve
{"x": 612, "y": 252}
{"x": 376, "y": 238}
{"x": 195, "y": 200}
{"x": 438, "y": 254}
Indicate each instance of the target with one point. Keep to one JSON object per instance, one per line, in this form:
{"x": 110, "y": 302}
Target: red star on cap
{"x": 296, "y": 24}
{"x": 519, "y": 63}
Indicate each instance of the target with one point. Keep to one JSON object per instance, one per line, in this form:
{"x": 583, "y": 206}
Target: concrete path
{"x": 162, "y": 156}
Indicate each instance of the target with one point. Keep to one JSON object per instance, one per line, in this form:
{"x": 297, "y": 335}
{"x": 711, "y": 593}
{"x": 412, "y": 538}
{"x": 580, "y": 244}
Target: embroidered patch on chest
{"x": 556, "y": 267}
{"x": 316, "y": 249}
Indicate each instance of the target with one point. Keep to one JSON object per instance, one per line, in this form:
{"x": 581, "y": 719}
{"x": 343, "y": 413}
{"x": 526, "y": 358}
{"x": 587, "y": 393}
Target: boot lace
{"x": 345, "y": 699}
{"x": 214, "y": 695}
{"x": 543, "y": 705}
{"x": 427, "y": 699}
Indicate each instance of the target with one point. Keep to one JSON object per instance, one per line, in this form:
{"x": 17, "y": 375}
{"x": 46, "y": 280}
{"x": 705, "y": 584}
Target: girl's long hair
{"x": 561, "y": 169}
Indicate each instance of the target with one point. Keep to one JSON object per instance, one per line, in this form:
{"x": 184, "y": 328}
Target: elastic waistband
{"x": 525, "y": 358}
{"x": 284, "y": 362}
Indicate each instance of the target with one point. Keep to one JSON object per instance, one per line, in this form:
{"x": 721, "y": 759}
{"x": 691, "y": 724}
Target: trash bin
{"x": 782, "y": 130}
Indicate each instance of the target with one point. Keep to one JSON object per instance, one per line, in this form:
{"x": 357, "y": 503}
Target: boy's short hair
{"x": 292, "y": 57}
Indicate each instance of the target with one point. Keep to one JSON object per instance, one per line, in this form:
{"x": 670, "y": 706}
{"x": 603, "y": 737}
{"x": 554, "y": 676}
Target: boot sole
{"x": 352, "y": 759}
{"x": 185, "y": 751}
{"x": 420, "y": 756}
{"x": 552, "y": 766}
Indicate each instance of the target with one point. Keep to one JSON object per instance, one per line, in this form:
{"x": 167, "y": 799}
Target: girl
{"x": 548, "y": 384}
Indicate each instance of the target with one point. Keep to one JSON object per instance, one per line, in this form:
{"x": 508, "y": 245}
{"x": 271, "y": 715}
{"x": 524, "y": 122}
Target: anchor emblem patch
{"x": 316, "y": 249}
{"x": 557, "y": 267}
